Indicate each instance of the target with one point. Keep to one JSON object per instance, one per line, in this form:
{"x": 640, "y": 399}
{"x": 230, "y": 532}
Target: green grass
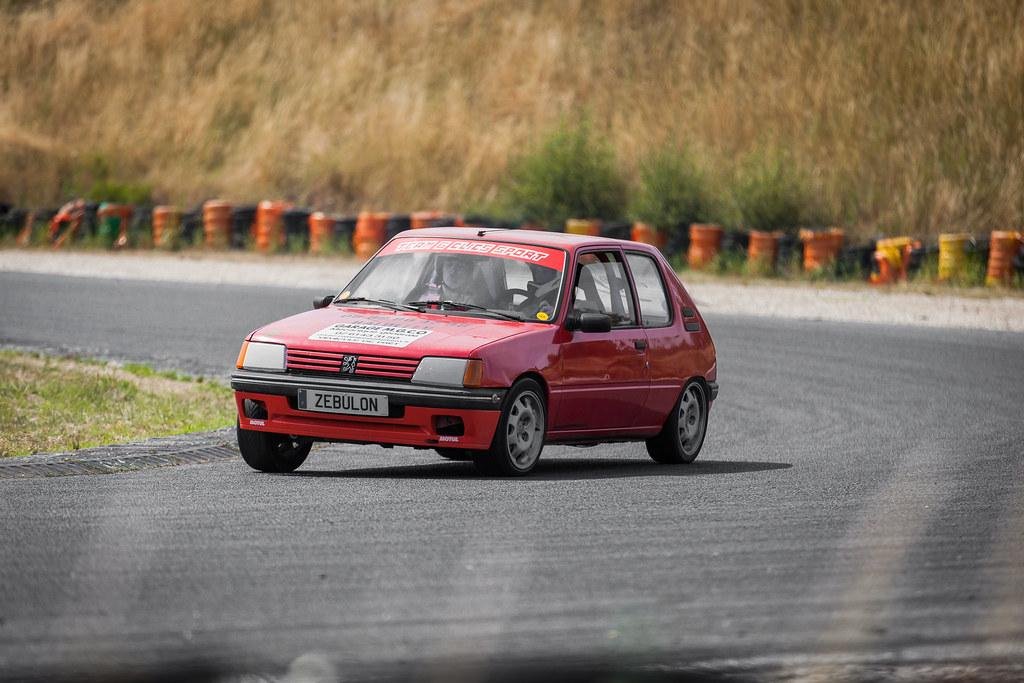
{"x": 59, "y": 404}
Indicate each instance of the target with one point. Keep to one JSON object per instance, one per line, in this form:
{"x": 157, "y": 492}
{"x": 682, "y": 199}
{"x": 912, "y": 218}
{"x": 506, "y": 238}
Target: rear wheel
{"x": 519, "y": 438}
{"x": 681, "y": 438}
{"x": 269, "y": 452}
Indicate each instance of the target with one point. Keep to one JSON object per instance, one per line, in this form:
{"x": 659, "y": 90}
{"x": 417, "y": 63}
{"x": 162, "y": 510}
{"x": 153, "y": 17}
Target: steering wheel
{"x": 523, "y": 292}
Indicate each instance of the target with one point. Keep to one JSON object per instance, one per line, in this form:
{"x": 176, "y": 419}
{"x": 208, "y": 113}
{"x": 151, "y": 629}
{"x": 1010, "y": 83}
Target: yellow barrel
{"x": 953, "y": 254}
{"x": 890, "y": 256}
{"x": 583, "y": 226}
{"x": 891, "y": 249}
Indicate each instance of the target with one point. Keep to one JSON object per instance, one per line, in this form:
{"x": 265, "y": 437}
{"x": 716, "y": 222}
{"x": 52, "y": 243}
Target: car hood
{"x": 399, "y": 334}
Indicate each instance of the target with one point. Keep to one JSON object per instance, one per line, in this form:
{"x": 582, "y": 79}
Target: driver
{"x": 458, "y": 278}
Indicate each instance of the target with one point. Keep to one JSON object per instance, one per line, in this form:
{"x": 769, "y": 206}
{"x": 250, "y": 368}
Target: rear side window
{"x": 650, "y": 290}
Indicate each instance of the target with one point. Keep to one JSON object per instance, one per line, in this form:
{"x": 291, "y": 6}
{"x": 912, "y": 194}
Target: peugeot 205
{"x": 484, "y": 345}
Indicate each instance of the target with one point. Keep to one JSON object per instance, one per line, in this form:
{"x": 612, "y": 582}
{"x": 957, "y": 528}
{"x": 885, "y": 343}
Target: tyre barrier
{"x": 396, "y": 223}
{"x": 821, "y": 248}
{"x": 705, "y": 244}
{"x": 114, "y": 221}
{"x": 368, "y": 235}
{"x": 269, "y": 227}
{"x": 953, "y": 255}
{"x": 590, "y": 227}
{"x": 763, "y": 250}
{"x": 645, "y": 233}
{"x": 1004, "y": 248}
{"x": 191, "y": 225}
{"x": 892, "y": 257}
{"x": 166, "y": 227}
{"x": 272, "y": 225}
{"x": 321, "y": 232}
{"x": 216, "y": 224}
{"x": 243, "y": 226}
{"x": 423, "y": 219}
{"x": 344, "y": 227}
{"x": 475, "y": 220}
{"x": 296, "y": 229}
{"x": 66, "y": 224}
{"x": 446, "y": 220}
{"x": 619, "y": 230}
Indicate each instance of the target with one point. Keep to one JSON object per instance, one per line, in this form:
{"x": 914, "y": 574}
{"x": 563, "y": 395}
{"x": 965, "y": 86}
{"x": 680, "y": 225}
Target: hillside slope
{"x": 906, "y": 116}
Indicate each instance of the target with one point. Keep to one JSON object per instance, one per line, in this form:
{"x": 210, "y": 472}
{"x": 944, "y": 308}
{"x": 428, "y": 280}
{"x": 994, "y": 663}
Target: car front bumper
{"x": 419, "y": 415}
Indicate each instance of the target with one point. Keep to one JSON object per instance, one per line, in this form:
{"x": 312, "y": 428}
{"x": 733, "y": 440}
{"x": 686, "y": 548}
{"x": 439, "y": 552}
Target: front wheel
{"x": 519, "y": 438}
{"x": 269, "y": 452}
{"x": 682, "y": 436}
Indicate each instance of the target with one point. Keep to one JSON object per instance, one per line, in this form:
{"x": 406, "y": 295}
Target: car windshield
{"x": 473, "y": 276}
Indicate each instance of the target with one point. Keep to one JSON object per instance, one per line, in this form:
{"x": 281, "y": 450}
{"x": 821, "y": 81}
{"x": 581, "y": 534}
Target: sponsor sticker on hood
{"x": 378, "y": 335}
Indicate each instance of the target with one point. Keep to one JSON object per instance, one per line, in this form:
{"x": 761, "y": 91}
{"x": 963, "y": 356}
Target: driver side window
{"x": 601, "y": 287}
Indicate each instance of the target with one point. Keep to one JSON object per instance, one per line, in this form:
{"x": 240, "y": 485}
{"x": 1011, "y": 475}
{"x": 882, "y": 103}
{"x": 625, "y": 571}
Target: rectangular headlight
{"x": 447, "y": 371}
{"x": 262, "y": 356}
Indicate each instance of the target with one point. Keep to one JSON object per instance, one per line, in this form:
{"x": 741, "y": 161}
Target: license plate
{"x": 343, "y": 402}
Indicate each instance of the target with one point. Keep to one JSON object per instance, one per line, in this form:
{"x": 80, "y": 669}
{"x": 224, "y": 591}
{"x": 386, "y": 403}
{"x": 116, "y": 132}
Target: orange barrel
{"x": 321, "y": 232}
{"x": 646, "y": 234}
{"x": 166, "y": 226}
{"x": 216, "y": 224}
{"x": 821, "y": 248}
{"x": 1003, "y": 247}
{"x": 269, "y": 226}
{"x": 952, "y": 255}
{"x": 763, "y": 250}
{"x": 368, "y": 236}
{"x": 422, "y": 219}
{"x": 705, "y": 243}
{"x": 583, "y": 226}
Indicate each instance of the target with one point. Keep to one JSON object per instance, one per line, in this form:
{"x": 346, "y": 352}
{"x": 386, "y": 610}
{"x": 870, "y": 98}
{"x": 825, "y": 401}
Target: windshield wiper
{"x": 380, "y": 302}
{"x": 448, "y": 303}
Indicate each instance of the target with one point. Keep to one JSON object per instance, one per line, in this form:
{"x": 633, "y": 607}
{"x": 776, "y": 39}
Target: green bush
{"x": 673, "y": 192}
{"x": 771, "y": 194}
{"x": 120, "y": 193}
{"x": 571, "y": 174}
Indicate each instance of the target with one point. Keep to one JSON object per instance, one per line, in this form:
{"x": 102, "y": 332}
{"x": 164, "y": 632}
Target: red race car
{"x": 485, "y": 345}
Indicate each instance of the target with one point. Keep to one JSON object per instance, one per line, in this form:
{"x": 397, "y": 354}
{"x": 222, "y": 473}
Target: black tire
{"x": 519, "y": 438}
{"x": 455, "y": 453}
{"x": 269, "y": 452}
{"x": 681, "y": 438}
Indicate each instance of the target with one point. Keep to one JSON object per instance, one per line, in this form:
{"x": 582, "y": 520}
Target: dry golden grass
{"x": 907, "y": 116}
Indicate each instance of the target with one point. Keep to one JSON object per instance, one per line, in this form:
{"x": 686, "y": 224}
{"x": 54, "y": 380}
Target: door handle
{"x": 640, "y": 344}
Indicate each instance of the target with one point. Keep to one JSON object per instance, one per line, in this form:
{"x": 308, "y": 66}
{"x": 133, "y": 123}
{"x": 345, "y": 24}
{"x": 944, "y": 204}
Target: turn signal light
{"x": 241, "y": 355}
{"x": 474, "y": 374}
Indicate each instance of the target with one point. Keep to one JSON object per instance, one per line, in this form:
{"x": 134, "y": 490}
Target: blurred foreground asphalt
{"x": 858, "y": 510}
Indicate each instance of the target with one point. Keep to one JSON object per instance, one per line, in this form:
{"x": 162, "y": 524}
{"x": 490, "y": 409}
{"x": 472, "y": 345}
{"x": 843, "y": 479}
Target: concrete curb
{"x": 169, "y": 451}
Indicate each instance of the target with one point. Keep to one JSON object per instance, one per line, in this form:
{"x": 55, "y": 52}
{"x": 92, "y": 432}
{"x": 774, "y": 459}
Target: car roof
{"x": 536, "y": 238}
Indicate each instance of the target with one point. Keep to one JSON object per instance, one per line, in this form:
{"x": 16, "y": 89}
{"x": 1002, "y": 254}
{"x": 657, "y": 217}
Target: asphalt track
{"x": 857, "y": 511}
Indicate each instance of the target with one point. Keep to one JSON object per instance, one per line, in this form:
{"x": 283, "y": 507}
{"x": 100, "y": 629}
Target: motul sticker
{"x": 377, "y": 335}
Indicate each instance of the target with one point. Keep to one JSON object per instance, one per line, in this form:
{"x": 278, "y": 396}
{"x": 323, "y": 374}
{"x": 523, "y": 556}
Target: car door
{"x": 668, "y": 342}
{"x": 604, "y": 374}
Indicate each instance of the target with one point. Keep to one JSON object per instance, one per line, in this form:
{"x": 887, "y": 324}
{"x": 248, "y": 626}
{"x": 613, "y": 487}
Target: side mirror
{"x": 588, "y": 322}
{"x": 323, "y": 302}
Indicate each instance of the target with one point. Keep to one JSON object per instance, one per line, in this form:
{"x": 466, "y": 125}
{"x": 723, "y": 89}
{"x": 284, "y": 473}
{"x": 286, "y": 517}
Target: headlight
{"x": 454, "y": 372}
{"x": 261, "y": 356}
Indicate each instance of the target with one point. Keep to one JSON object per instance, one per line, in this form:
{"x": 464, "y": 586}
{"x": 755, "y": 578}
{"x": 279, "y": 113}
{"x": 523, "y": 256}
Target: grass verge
{"x": 60, "y": 404}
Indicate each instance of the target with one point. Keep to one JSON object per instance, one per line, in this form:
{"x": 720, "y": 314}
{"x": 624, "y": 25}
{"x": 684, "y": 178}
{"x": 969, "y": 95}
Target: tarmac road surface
{"x": 857, "y": 511}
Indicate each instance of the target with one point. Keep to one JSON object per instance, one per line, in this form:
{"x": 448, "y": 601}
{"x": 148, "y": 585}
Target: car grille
{"x": 329, "y": 362}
